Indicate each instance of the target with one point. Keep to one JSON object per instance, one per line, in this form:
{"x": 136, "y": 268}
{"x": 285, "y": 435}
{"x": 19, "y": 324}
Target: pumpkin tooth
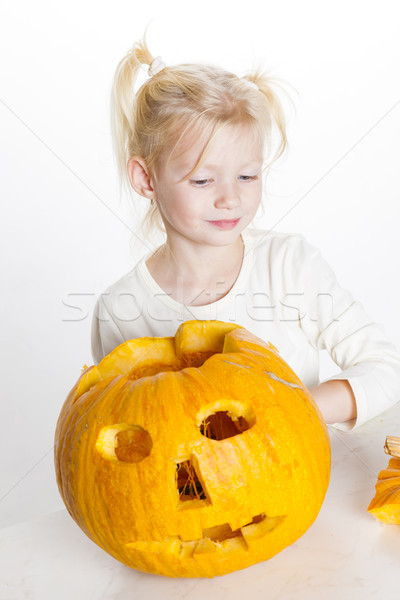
{"x": 231, "y": 545}
{"x": 260, "y": 526}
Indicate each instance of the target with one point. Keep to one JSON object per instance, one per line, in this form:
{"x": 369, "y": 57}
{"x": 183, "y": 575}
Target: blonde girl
{"x": 193, "y": 141}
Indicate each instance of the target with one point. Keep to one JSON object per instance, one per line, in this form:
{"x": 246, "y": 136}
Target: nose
{"x": 227, "y": 196}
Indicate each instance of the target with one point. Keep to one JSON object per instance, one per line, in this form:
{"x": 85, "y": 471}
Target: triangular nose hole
{"x": 187, "y": 482}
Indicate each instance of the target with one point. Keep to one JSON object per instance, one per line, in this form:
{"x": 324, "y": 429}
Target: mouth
{"x": 220, "y": 538}
{"x": 225, "y": 223}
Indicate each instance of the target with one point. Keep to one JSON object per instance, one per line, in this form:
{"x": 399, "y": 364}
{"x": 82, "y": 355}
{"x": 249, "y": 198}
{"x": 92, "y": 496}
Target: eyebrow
{"x": 213, "y": 166}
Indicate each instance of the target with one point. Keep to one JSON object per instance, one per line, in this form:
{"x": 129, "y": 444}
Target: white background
{"x": 65, "y": 233}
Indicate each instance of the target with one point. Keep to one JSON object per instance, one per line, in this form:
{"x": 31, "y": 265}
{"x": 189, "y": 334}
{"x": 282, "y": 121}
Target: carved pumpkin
{"x": 192, "y": 456}
{"x": 385, "y": 505}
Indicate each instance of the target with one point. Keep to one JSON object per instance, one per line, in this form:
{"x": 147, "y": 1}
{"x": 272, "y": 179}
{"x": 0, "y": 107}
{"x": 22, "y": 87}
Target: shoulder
{"x": 290, "y": 259}
{"x": 125, "y": 292}
{"x": 126, "y": 283}
{"x": 278, "y": 245}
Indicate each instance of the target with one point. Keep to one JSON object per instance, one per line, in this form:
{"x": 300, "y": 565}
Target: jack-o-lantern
{"x": 192, "y": 456}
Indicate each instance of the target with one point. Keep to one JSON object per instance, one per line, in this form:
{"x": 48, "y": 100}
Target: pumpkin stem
{"x": 392, "y": 446}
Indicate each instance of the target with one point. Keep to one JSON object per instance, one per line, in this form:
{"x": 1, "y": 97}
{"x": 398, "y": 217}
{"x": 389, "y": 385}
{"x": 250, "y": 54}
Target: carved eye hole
{"x": 225, "y": 419}
{"x": 220, "y": 426}
{"x": 124, "y": 442}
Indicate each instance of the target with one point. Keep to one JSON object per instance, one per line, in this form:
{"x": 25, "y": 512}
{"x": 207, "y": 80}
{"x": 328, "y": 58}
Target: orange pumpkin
{"x": 385, "y": 505}
{"x": 192, "y": 456}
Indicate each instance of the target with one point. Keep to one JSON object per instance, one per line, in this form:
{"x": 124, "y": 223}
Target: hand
{"x": 336, "y": 400}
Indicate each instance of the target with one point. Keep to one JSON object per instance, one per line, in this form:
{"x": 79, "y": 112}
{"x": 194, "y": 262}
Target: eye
{"x": 199, "y": 182}
{"x": 225, "y": 419}
{"x": 248, "y": 177}
{"x": 124, "y": 442}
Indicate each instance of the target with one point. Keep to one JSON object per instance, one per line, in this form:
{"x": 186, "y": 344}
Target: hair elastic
{"x": 156, "y": 66}
{"x": 250, "y": 83}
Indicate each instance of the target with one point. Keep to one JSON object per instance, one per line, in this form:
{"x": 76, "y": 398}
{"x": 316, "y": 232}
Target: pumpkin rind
{"x": 246, "y": 495}
{"x": 385, "y": 505}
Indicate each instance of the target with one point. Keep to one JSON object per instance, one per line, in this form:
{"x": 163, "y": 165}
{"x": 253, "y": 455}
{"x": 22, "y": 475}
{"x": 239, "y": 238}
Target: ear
{"x": 139, "y": 177}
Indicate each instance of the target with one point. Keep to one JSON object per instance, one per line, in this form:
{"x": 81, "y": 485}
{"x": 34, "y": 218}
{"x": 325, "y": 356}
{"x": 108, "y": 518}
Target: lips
{"x": 225, "y": 223}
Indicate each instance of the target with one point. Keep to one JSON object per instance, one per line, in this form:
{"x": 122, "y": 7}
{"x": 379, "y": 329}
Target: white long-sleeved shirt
{"x": 286, "y": 294}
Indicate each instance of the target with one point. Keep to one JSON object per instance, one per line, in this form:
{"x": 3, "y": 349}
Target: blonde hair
{"x": 182, "y": 99}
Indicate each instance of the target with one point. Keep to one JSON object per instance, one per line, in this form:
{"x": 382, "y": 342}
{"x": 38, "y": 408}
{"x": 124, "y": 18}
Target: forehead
{"x": 237, "y": 144}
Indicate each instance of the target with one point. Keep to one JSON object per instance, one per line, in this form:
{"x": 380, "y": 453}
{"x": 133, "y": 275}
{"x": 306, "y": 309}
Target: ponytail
{"x": 274, "y": 109}
{"x": 124, "y": 104}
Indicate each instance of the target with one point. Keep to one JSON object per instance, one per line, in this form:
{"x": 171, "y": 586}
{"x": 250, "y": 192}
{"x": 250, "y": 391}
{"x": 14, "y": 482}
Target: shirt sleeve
{"x": 334, "y": 321}
{"x": 105, "y": 334}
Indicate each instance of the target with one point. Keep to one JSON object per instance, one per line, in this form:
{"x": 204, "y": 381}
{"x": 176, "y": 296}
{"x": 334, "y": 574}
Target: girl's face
{"x": 220, "y": 198}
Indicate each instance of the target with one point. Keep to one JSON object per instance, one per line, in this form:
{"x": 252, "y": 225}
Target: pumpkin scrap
{"x": 386, "y": 503}
{"x": 193, "y": 455}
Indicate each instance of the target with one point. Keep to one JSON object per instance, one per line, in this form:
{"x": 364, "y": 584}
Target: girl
{"x": 193, "y": 142}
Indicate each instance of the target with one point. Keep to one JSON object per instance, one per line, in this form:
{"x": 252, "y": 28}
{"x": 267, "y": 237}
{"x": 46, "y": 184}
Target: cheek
{"x": 183, "y": 208}
{"x": 258, "y": 191}
{"x": 254, "y": 197}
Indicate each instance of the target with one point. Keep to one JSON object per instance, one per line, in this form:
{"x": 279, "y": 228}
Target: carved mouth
{"x": 219, "y": 539}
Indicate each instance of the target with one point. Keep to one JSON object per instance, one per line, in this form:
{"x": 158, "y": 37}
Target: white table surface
{"x": 346, "y": 553}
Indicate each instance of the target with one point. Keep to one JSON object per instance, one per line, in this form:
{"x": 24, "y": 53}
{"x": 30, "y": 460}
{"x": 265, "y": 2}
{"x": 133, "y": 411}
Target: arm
{"x": 369, "y": 381}
{"x": 336, "y": 400}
